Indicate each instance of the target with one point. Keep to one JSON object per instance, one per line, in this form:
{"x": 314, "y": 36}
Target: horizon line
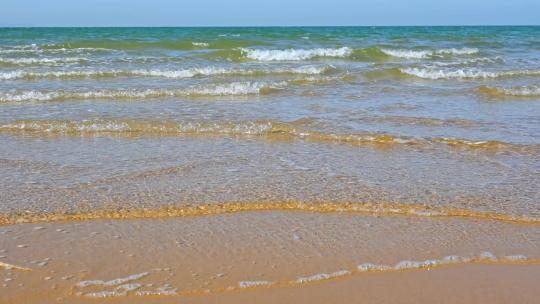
{"x": 261, "y": 26}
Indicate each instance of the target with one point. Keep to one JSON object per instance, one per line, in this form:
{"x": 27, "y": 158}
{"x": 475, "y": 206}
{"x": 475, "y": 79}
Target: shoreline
{"x": 373, "y": 209}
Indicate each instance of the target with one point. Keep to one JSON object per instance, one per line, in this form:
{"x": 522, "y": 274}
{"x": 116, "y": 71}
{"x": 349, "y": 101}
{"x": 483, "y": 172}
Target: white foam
{"x": 106, "y": 294}
{"x": 451, "y": 259}
{"x": 248, "y": 284}
{"x": 119, "y": 291}
{"x": 295, "y": 54}
{"x": 323, "y": 276}
{"x": 421, "y": 54}
{"x": 406, "y": 53}
{"x": 200, "y": 44}
{"x": 161, "y": 291}
{"x": 113, "y": 282}
{"x": 523, "y": 91}
{"x": 372, "y": 267}
{"x": 186, "y": 73}
{"x": 470, "y": 61}
{"x": 431, "y": 73}
{"x": 516, "y": 257}
{"x": 46, "y": 61}
{"x": 230, "y": 89}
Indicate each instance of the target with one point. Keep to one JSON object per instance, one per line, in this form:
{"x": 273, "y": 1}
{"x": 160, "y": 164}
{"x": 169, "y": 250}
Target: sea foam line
{"x": 521, "y": 91}
{"x": 408, "y": 265}
{"x": 422, "y": 54}
{"x": 435, "y": 74}
{"x": 46, "y": 61}
{"x": 230, "y": 89}
{"x": 370, "y": 209}
{"x": 295, "y": 54}
{"x": 121, "y": 287}
{"x": 263, "y": 128}
{"x": 178, "y": 74}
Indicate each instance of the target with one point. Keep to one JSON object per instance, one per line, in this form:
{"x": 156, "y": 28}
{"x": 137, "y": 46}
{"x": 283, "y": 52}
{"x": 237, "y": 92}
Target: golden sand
{"x": 274, "y": 256}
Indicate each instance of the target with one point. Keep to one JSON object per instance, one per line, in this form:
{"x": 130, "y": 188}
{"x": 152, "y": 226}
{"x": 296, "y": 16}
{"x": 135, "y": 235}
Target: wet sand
{"x": 271, "y": 256}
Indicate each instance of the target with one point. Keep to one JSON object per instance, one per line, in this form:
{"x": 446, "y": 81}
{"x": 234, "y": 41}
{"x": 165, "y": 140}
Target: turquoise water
{"x": 92, "y": 117}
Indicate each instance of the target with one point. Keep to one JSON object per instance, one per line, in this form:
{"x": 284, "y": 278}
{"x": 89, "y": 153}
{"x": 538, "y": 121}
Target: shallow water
{"x": 92, "y": 119}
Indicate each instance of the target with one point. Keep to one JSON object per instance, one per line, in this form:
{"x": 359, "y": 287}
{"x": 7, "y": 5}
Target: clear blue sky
{"x": 267, "y": 12}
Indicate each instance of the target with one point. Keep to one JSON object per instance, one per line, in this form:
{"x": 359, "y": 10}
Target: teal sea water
{"x": 145, "y": 117}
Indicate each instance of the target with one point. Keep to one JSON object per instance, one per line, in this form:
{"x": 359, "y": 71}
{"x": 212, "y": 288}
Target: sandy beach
{"x": 270, "y": 164}
{"x": 275, "y": 255}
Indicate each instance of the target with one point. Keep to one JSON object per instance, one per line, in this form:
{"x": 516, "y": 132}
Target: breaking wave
{"x": 295, "y": 54}
{"x": 185, "y": 73}
{"x": 521, "y": 91}
{"x": 423, "y": 54}
{"x": 41, "y": 61}
{"x": 231, "y": 89}
{"x": 266, "y": 128}
{"x": 435, "y": 74}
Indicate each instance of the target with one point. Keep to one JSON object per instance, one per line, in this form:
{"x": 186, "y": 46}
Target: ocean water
{"x": 94, "y": 119}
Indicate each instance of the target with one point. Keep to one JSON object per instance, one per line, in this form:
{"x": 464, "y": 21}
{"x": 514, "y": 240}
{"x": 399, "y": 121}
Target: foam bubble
{"x": 178, "y": 74}
{"x": 230, "y": 89}
{"x": 323, "y": 276}
{"x": 432, "y": 73}
{"x": 295, "y": 54}
{"x": 113, "y": 282}
{"x": 422, "y": 54}
{"x": 448, "y": 260}
{"x": 200, "y": 44}
{"x": 516, "y": 257}
{"x": 521, "y": 91}
{"x": 41, "y": 61}
{"x": 248, "y": 284}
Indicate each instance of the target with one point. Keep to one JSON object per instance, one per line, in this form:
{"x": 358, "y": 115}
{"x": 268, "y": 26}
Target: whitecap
{"x": 295, "y": 54}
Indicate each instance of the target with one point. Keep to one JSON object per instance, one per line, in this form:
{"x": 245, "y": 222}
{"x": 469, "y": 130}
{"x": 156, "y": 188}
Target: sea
{"x": 425, "y": 120}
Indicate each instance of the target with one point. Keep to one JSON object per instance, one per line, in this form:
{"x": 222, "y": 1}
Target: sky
{"x": 267, "y": 13}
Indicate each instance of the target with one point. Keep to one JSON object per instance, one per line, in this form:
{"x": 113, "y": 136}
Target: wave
{"x": 361, "y": 54}
{"x": 185, "y": 73}
{"x": 435, "y": 74}
{"x": 423, "y": 54}
{"x": 468, "y": 62}
{"x": 231, "y": 89}
{"x": 41, "y": 61}
{"x": 295, "y": 54}
{"x": 266, "y": 128}
{"x": 188, "y": 44}
{"x": 201, "y": 44}
{"x": 521, "y": 91}
{"x": 375, "y": 209}
{"x": 35, "y": 50}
